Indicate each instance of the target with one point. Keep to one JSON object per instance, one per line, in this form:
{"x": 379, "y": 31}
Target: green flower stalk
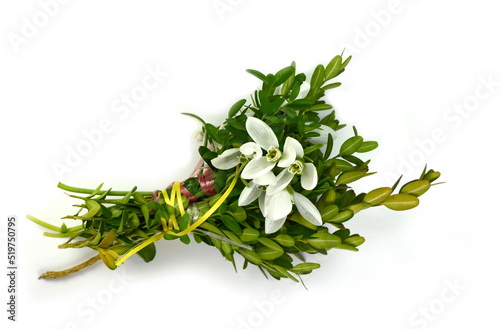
{"x": 267, "y": 187}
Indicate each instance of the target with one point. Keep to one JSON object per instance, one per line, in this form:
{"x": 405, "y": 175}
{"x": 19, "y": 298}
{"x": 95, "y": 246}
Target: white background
{"x": 424, "y": 82}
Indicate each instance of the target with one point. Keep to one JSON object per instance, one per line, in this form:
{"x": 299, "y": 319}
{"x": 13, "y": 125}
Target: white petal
{"x": 266, "y": 179}
{"x": 291, "y": 151}
{"x": 274, "y": 225}
{"x": 249, "y": 194}
{"x": 307, "y": 209}
{"x": 251, "y": 150}
{"x": 279, "y": 206}
{"x": 256, "y": 168}
{"x": 263, "y": 202}
{"x": 323, "y": 131}
{"x": 283, "y": 179}
{"x": 309, "y": 177}
{"x": 261, "y": 133}
{"x": 227, "y": 160}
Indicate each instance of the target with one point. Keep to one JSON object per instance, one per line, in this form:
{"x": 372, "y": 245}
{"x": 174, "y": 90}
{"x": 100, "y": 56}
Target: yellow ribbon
{"x": 176, "y": 193}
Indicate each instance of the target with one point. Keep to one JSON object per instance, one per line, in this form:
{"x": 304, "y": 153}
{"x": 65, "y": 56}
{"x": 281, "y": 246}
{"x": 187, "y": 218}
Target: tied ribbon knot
{"x": 175, "y": 193}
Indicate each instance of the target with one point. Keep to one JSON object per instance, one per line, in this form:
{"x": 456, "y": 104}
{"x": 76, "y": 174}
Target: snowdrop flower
{"x": 295, "y": 166}
{"x": 264, "y": 137}
{"x": 278, "y": 206}
{"x": 275, "y": 208}
{"x": 232, "y": 157}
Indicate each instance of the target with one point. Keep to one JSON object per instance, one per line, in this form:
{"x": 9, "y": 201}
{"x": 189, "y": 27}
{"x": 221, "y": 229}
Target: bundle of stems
{"x": 268, "y": 187}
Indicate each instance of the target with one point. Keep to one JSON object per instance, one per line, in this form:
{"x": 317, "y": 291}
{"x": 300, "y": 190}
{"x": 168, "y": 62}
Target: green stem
{"x": 43, "y": 224}
{"x": 53, "y": 227}
{"x": 61, "y": 235}
{"x": 58, "y": 274}
{"x": 90, "y": 191}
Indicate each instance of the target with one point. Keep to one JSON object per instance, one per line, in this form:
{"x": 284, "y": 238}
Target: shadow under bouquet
{"x": 267, "y": 187}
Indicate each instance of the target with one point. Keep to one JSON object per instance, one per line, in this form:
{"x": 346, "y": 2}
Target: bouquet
{"x": 267, "y": 187}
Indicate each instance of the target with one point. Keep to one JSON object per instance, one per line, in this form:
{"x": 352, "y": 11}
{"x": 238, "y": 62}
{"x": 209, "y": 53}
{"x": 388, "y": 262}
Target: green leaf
{"x": 194, "y": 116}
{"x": 367, "y": 146}
{"x": 107, "y": 258}
{"x": 148, "y": 253}
{"x": 185, "y": 239}
{"x": 333, "y": 68}
{"x": 350, "y": 176}
{"x": 343, "y": 165}
{"x": 320, "y": 107}
{"x": 342, "y": 217}
{"x": 236, "y": 108}
{"x": 240, "y": 214}
{"x": 284, "y": 273}
{"x": 295, "y": 90}
{"x": 396, "y": 183}
{"x": 206, "y": 153}
{"x": 324, "y": 240}
{"x": 343, "y": 234}
{"x": 270, "y": 244}
{"x": 332, "y": 85}
{"x": 329, "y": 212}
{"x": 282, "y": 75}
{"x": 415, "y": 188}
{"x": 97, "y": 190}
{"x": 96, "y": 239}
{"x": 284, "y": 240}
{"x": 313, "y": 148}
{"x": 300, "y": 104}
{"x": 212, "y": 228}
{"x": 231, "y": 223}
{"x": 212, "y": 132}
{"x": 329, "y": 147}
{"x": 351, "y": 158}
{"x": 108, "y": 239}
{"x": 258, "y": 75}
{"x": 272, "y": 107}
{"x": 233, "y": 237}
{"x": 432, "y": 175}
{"x": 344, "y": 64}
{"x": 133, "y": 219}
{"x": 127, "y": 196}
{"x": 400, "y": 202}
{"x": 378, "y": 195}
{"x": 184, "y": 221}
{"x": 139, "y": 198}
{"x": 266, "y": 253}
{"x": 346, "y": 247}
{"x": 249, "y": 234}
{"x": 351, "y": 145}
{"x": 318, "y": 77}
{"x": 304, "y": 268}
{"x": 354, "y": 240}
{"x": 287, "y": 85}
{"x": 251, "y": 256}
{"x": 355, "y": 208}
{"x": 93, "y": 208}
